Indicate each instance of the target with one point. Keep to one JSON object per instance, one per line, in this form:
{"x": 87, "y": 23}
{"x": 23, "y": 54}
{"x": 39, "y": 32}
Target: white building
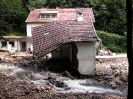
{"x": 67, "y": 32}
{"x": 62, "y": 31}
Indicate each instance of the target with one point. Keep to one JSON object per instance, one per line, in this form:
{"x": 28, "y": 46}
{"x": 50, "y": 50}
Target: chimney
{"x": 80, "y": 17}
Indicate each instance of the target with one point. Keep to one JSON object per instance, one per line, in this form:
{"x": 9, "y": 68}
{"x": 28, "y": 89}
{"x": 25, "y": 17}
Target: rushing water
{"x": 79, "y": 85}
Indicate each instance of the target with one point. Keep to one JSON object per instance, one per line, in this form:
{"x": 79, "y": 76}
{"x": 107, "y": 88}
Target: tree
{"x": 12, "y": 15}
{"x": 117, "y": 16}
{"x": 100, "y": 12}
{"x": 57, "y": 3}
{"x": 110, "y": 15}
{"x": 33, "y": 4}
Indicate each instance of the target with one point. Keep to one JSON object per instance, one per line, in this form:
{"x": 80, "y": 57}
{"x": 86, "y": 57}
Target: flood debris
{"x": 66, "y": 73}
{"x": 55, "y": 82}
{"x": 113, "y": 72}
{"x": 12, "y": 89}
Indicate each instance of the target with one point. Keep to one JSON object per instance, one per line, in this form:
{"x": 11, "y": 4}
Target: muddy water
{"x": 37, "y": 77}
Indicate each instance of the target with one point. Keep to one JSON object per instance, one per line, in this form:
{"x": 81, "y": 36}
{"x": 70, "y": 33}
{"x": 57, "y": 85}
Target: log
{"x": 67, "y": 74}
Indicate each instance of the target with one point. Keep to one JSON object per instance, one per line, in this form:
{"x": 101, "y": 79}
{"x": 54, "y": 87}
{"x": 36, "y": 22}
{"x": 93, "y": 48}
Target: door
{"x": 23, "y": 46}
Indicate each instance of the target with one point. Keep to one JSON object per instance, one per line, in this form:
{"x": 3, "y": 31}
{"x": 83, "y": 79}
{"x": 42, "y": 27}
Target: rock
{"x": 113, "y": 84}
{"x": 116, "y": 72}
{"x": 113, "y": 66}
{"x": 118, "y": 81}
{"x": 109, "y": 77}
{"x": 123, "y": 76}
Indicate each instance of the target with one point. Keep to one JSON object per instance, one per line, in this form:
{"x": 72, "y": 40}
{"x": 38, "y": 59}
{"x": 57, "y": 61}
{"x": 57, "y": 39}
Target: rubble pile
{"x": 13, "y": 89}
{"x": 112, "y": 71}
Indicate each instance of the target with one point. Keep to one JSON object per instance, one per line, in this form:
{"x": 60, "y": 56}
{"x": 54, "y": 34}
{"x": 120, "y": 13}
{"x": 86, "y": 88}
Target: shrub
{"x": 114, "y": 48}
{"x": 113, "y": 42}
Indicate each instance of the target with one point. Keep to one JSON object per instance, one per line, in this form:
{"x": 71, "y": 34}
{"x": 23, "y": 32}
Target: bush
{"x": 115, "y": 43}
{"x": 114, "y": 48}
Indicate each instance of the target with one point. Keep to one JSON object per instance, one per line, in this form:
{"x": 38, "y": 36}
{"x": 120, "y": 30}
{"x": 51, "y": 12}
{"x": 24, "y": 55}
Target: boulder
{"x": 116, "y": 72}
{"x": 118, "y": 81}
{"x": 113, "y": 66}
{"x": 123, "y": 76}
{"x": 109, "y": 77}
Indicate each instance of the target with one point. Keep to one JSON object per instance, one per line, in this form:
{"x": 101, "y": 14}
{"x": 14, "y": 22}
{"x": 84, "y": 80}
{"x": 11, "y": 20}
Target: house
{"x": 64, "y": 32}
{"x": 14, "y": 43}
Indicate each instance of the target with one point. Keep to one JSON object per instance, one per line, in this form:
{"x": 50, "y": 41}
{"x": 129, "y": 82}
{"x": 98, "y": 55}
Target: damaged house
{"x": 64, "y": 32}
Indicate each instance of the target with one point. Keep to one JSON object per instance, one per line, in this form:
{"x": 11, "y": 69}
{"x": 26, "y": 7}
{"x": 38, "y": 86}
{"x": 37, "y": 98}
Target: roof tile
{"x": 51, "y": 35}
{"x": 63, "y": 14}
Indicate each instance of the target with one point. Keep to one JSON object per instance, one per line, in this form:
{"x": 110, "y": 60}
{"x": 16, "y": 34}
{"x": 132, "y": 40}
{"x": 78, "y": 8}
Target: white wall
{"x": 29, "y": 43}
{"x": 86, "y": 58}
{"x": 28, "y": 28}
{"x": 17, "y": 44}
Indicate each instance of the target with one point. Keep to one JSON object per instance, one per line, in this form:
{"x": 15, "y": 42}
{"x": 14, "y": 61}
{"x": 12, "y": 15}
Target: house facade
{"x": 14, "y": 43}
{"x": 55, "y": 31}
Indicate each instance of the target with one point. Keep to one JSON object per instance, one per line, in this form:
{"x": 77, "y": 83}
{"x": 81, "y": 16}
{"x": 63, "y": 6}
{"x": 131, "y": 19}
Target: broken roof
{"x": 52, "y": 35}
{"x": 63, "y": 14}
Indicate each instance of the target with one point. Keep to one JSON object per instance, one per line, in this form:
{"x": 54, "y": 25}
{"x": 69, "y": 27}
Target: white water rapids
{"x": 75, "y": 86}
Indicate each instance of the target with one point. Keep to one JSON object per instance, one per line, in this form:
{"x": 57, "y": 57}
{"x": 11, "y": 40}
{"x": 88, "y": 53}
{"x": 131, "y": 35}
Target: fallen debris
{"x": 113, "y": 72}
{"x": 66, "y": 73}
{"x": 10, "y": 88}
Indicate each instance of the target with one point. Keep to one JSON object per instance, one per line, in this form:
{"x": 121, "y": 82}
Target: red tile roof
{"x": 63, "y": 14}
{"x": 51, "y": 35}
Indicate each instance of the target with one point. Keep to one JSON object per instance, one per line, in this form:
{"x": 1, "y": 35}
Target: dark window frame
{"x": 48, "y": 16}
{"x": 3, "y": 44}
{"x": 12, "y": 43}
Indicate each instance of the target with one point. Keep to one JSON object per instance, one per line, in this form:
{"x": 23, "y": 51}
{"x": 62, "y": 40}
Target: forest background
{"x": 110, "y": 17}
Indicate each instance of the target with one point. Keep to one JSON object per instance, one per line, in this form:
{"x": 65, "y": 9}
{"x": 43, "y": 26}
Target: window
{"x": 80, "y": 14}
{"x": 54, "y": 16}
{"x": 4, "y": 44}
{"x": 47, "y": 16}
{"x": 42, "y": 16}
{"x": 12, "y": 43}
{"x": 80, "y": 17}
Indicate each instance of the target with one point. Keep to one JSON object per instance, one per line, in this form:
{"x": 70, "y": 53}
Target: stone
{"x": 123, "y": 76}
{"x": 109, "y": 77}
{"x": 116, "y": 72}
{"x": 113, "y": 84}
{"x": 113, "y": 66}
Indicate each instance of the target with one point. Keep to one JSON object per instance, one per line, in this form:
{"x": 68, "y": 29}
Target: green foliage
{"x": 12, "y": 15}
{"x": 117, "y": 17}
{"x": 15, "y": 33}
{"x": 113, "y": 42}
{"x": 34, "y": 4}
{"x": 61, "y": 3}
{"x": 115, "y": 48}
{"x": 110, "y": 16}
